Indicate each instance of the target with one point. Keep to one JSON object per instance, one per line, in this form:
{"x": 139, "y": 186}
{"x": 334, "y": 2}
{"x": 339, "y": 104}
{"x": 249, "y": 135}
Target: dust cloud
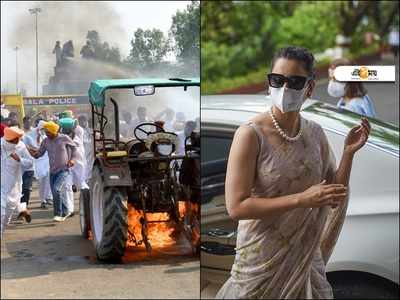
{"x": 63, "y": 21}
{"x": 71, "y": 20}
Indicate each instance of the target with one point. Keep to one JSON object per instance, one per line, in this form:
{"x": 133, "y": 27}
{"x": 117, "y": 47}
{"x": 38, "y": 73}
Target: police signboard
{"x": 57, "y": 100}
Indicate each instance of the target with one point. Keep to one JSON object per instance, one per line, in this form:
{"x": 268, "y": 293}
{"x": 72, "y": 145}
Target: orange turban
{"x": 11, "y": 133}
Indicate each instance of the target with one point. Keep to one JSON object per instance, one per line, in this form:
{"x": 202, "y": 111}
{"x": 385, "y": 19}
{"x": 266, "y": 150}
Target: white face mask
{"x": 288, "y": 99}
{"x": 336, "y": 88}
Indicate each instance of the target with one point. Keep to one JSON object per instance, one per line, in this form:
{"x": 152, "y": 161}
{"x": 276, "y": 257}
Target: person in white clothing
{"x": 168, "y": 116}
{"x": 78, "y": 130}
{"x": 77, "y": 178}
{"x": 14, "y": 156}
{"x": 141, "y": 117}
{"x": 182, "y": 136}
{"x": 78, "y": 171}
{"x": 394, "y": 40}
{"x": 41, "y": 165}
{"x": 88, "y": 145}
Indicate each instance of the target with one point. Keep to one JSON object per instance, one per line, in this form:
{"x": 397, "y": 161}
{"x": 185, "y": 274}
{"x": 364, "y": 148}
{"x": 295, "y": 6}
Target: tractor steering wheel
{"x": 139, "y": 128}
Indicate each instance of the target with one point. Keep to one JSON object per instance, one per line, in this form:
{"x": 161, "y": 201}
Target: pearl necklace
{"x": 280, "y": 130}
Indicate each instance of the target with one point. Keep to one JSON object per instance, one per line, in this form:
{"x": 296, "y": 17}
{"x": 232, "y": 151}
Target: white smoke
{"x": 71, "y": 20}
{"x": 58, "y": 20}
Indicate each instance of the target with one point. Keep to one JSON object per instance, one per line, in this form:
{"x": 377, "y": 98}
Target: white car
{"x": 365, "y": 261}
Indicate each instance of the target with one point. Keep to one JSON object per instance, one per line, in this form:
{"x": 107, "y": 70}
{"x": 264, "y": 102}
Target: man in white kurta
{"x": 14, "y": 156}
{"x": 41, "y": 166}
{"x": 88, "y": 146}
{"x": 77, "y": 176}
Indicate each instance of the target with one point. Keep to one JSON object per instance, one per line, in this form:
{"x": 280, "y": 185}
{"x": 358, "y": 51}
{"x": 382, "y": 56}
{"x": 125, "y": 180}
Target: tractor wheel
{"x": 84, "y": 199}
{"x": 109, "y": 219}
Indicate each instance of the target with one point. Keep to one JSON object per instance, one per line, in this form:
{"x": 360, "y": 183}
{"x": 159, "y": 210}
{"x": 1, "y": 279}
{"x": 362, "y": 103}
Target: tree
{"x": 185, "y": 32}
{"x": 102, "y": 50}
{"x": 238, "y": 36}
{"x": 351, "y": 13}
{"x": 93, "y": 37}
{"x": 384, "y": 14}
{"x": 149, "y": 47}
{"x": 114, "y": 55}
{"x": 305, "y": 30}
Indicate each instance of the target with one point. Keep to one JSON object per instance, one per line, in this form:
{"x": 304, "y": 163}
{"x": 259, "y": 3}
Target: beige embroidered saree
{"x": 285, "y": 258}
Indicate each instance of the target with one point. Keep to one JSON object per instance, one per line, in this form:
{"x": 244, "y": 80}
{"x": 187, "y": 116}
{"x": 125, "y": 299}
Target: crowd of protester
{"x": 56, "y": 152}
{"x": 167, "y": 119}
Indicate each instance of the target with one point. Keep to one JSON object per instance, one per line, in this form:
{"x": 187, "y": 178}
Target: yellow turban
{"x": 51, "y": 127}
{"x": 11, "y": 133}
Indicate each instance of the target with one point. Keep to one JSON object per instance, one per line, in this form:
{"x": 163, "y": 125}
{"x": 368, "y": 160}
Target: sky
{"x": 116, "y": 22}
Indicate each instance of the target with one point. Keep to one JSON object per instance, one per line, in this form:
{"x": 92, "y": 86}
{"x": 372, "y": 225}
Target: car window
{"x": 214, "y": 148}
{"x": 383, "y": 135}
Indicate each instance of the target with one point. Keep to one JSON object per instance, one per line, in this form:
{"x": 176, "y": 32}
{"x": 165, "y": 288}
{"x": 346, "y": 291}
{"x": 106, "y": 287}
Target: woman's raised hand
{"x": 357, "y": 137}
{"x": 322, "y": 194}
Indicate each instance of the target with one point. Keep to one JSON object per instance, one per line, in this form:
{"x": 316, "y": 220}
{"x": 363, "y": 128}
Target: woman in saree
{"x": 284, "y": 188}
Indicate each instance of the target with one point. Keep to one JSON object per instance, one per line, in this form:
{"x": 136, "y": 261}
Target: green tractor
{"x": 146, "y": 141}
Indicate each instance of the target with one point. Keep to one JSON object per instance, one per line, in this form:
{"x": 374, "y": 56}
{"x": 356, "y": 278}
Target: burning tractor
{"x": 147, "y": 157}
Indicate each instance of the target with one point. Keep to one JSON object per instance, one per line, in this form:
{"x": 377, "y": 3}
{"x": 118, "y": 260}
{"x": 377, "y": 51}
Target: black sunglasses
{"x": 293, "y": 82}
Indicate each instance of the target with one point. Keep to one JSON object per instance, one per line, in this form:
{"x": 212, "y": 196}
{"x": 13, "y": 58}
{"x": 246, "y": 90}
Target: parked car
{"x": 365, "y": 261}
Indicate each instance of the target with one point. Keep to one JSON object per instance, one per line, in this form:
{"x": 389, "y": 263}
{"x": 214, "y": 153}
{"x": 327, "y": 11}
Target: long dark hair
{"x": 352, "y": 89}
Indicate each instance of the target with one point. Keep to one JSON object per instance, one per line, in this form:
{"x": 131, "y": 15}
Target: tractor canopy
{"x": 98, "y": 87}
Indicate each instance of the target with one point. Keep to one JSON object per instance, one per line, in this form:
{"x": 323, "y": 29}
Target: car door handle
{"x": 213, "y": 186}
{"x": 220, "y": 233}
{"x": 213, "y": 167}
{"x": 216, "y": 248}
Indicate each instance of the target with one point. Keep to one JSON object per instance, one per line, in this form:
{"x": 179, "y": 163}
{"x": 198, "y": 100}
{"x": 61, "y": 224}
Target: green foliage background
{"x": 150, "y": 47}
{"x": 239, "y": 38}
